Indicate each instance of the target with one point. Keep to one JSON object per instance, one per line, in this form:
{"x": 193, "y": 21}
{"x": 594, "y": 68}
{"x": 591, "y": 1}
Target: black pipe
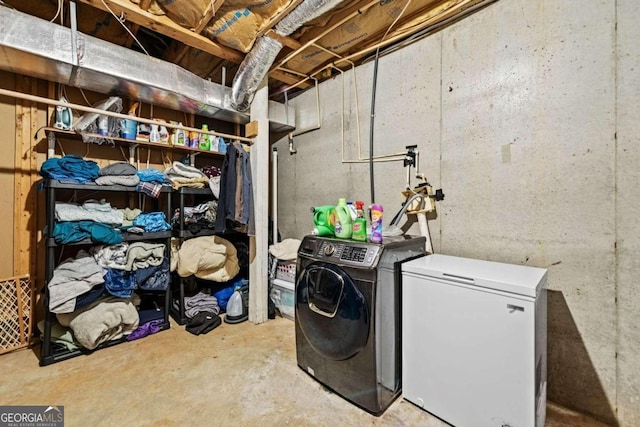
{"x": 373, "y": 115}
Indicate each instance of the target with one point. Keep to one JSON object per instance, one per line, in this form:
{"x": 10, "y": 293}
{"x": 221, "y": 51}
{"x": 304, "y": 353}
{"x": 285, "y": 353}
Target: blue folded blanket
{"x": 152, "y": 222}
{"x": 70, "y": 168}
{"x": 66, "y": 232}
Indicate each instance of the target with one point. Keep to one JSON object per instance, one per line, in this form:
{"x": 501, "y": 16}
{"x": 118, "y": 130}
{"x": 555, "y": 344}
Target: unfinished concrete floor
{"x": 237, "y": 375}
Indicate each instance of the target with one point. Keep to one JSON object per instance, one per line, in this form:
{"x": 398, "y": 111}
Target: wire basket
{"x": 16, "y": 313}
{"x": 286, "y": 270}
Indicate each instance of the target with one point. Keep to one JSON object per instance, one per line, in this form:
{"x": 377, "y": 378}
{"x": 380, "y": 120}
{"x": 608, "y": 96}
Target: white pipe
{"x": 424, "y": 231}
{"x": 274, "y": 195}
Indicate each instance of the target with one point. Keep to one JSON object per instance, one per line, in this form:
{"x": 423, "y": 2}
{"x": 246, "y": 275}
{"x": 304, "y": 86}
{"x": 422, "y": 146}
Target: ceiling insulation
{"x": 212, "y": 37}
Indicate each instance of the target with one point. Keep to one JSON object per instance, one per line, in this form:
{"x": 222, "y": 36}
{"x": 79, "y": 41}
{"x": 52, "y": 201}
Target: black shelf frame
{"x": 182, "y": 233}
{"x": 47, "y": 356}
{"x": 63, "y": 354}
{"x": 126, "y": 237}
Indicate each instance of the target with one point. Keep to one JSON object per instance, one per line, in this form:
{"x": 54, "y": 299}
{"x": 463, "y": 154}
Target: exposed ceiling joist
{"x": 166, "y": 26}
{"x": 210, "y": 38}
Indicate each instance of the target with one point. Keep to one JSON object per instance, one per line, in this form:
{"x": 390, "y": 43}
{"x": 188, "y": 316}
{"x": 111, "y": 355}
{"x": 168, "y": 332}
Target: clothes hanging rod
{"x": 86, "y": 109}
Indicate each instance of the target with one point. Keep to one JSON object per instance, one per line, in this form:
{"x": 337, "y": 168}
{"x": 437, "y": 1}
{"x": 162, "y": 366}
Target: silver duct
{"x": 252, "y": 70}
{"x": 305, "y": 12}
{"x": 35, "y": 47}
{"x": 258, "y": 61}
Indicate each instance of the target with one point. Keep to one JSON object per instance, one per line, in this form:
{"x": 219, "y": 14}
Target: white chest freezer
{"x": 474, "y": 341}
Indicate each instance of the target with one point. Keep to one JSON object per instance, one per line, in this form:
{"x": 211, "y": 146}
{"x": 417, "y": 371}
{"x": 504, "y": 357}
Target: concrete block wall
{"x": 628, "y": 210}
{"x": 527, "y": 114}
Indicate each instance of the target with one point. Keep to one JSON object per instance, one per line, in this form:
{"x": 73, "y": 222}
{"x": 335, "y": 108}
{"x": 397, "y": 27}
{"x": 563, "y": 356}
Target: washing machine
{"x": 347, "y": 316}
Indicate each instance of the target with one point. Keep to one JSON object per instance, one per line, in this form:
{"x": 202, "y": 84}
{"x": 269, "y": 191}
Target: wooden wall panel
{"x": 7, "y": 163}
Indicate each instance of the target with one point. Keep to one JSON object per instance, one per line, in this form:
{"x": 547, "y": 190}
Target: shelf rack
{"x": 183, "y": 232}
{"x": 50, "y": 353}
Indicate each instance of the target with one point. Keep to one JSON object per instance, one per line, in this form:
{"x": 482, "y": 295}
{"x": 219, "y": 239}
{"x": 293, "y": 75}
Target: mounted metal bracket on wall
{"x": 51, "y": 144}
{"x": 132, "y": 153}
{"x": 192, "y": 159}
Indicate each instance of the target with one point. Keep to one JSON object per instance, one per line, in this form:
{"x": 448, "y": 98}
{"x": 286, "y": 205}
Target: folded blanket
{"x": 150, "y": 189}
{"x": 73, "y": 231}
{"x": 154, "y": 278}
{"x": 144, "y": 254}
{"x": 181, "y": 170}
{"x": 114, "y": 256}
{"x": 70, "y": 168}
{"x": 152, "y": 222}
{"x": 106, "y": 319}
{"x": 128, "y": 215}
{"x": 200, "y": 302}
{"x": 175, "y": 245}
{"x": 179, "y": 181}
{"x": 120, "y": 283}
{"x": 208, "y": 257}
{"x": 71, "y": 279}
{"x": 120, "y": 168}
{"x": 60, "y": 335}
{"x": 285, "y": 250}
{"x": 90, "y": 211}
{"x": 126, "y": 180}
{"x": 151, "y": 175}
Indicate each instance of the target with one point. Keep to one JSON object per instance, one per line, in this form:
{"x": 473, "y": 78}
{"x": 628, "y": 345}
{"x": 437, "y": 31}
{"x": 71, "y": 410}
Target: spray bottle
{"x": 360, "y": 224}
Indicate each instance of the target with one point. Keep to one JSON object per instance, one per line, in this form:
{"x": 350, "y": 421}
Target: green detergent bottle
{"x": 342, "y": 224}
{"x": 323, "y": 220}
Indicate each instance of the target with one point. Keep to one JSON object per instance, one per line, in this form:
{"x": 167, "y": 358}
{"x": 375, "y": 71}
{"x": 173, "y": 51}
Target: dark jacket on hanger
{"x": 236, "y": 201}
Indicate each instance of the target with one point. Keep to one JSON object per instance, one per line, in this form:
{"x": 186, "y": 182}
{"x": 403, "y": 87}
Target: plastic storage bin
{"x": 283, "y": 295}
{"x": 286, "y": 270}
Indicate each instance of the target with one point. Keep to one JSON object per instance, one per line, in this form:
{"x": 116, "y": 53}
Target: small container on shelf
{"x": 204, "y": 142}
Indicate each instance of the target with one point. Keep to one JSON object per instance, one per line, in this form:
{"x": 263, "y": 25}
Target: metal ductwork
{"x": 35, "y": 47}
{"x": 258, "y": 61}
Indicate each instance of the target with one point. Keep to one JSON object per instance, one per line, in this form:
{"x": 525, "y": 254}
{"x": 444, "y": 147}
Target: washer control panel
{"x": 352, "y": 253}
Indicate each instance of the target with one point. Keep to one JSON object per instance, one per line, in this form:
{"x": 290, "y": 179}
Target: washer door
{"x": 331, "y": 312}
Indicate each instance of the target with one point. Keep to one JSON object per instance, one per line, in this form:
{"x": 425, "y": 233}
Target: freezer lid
{"x": 517, "y": 279}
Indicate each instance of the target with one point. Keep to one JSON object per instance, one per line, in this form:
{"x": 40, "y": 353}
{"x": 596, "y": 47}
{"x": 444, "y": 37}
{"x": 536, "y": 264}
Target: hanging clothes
{"x": 236, "y": 199}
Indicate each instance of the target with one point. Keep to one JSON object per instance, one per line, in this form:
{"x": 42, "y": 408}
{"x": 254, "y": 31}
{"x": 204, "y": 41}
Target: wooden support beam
{"x": 25, "y": 175}
{"x": 166, "y": 26}
{"x": 286, "y": 41}
{"x": 258, "y": 244}
{"x": 287, "y": 78}
{"x": 251, "y": 129}
{"x": 176, "y": 51}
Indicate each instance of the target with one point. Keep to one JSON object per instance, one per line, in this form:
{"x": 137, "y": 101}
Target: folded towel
{"x": 186, "y": 171}
{"x": 126, "y": 180}
{"x": 118, "y": 169}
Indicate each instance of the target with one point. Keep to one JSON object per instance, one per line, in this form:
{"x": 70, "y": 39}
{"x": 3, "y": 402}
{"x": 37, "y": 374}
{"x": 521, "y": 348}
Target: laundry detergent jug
{"x": 342, "y": 220}
{"x": 323, "y": 220}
